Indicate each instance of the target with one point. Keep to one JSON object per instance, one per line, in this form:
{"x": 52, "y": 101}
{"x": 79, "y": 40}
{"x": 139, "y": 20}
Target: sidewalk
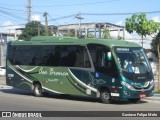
{"x": 2, "y": 80}
{"x": 3, "y": 83}
{"x": 155, "y": 97}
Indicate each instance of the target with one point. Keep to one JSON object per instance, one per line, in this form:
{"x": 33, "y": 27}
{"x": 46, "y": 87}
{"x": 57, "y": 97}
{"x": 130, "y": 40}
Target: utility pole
{"x": 29, "y": 11}
{"x": 38, "y": 30}
{"x": 158, "y": 49}
{"x": 78, "y": 16}
{"x": 46, "y": 22}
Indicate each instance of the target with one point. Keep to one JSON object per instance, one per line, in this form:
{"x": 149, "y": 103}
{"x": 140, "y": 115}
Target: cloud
{"x": 119, "y": 23}
{"x": 35, "y": 17}
{"x": 156, "y": 18}
{"x": 9, "y": 27}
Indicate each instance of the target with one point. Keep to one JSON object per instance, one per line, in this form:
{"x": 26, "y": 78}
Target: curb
{"x": 152, "y": 99}
{"x": 155, "y": 97}
{"x": 3, "y": 86}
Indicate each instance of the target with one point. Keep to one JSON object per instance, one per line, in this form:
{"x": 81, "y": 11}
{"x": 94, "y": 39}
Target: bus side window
{"x": 11, "y": 56}
{"x": 36, "y": 55}
{"x": 87, "y": 63}
{"x": 68, "y": 56}
{"x": 74, "y": 56}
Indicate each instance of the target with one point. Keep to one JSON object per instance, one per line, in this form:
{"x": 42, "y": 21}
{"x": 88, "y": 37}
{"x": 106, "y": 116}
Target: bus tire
{"x": 105, "y": 97}
{"x": 134, "y": 100}
{"x": 37, "y": 90}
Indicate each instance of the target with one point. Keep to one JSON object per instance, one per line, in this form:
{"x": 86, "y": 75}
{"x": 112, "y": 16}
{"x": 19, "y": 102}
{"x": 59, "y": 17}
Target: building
{"x": 85, "y": 28}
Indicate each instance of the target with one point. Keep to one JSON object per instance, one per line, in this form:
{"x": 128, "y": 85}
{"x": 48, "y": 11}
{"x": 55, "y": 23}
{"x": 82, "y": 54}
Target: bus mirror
{"x": 109, "y": 56}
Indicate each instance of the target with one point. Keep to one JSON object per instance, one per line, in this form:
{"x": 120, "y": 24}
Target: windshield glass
{"x": 132, "y": 60}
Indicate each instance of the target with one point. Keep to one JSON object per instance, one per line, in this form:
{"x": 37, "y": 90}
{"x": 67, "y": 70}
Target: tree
{"x": 156, "y": 43}
{"x": 70, "y": 34}
{"x": 90, "y": 35}
{"x": 32, "y": 29}
{"x": 141, "y": 25}
{"x": 106, "y": 34}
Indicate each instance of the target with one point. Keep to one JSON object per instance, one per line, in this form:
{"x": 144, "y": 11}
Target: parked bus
{"x": 107, "y": 69}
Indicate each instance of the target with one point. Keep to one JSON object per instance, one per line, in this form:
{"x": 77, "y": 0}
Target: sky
{"x": 14, "y": 12}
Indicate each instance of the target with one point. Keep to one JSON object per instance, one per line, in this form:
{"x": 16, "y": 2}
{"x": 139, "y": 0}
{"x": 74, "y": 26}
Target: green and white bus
{"x": 107, "y": 69}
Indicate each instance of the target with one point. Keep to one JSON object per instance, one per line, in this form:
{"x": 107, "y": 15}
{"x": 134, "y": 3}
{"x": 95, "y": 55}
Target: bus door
{"x": 105, "y": 73}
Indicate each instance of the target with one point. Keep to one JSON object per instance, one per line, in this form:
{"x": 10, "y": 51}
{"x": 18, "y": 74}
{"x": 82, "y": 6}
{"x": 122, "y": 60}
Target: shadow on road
{"x": 67, "y": 97}
{"x": 16, "y": 91}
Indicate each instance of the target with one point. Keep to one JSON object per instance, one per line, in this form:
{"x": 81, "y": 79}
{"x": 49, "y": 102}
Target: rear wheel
{"x": 37, "y": 90}
{"x": 105, "y": 97}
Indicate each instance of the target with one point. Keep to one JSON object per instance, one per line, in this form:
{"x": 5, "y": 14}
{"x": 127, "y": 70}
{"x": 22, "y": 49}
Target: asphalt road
{"x": 17, "y": 100}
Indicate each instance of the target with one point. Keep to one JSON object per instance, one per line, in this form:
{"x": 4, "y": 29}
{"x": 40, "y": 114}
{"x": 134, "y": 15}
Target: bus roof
{"x": 51, "y": 40}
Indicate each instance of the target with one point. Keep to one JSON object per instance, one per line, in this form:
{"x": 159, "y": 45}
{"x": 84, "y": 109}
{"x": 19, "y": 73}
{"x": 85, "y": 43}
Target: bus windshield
{"x": 132, "y": 60}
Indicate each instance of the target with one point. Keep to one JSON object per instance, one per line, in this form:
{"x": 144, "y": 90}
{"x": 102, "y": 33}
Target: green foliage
{"x": 141, "y": 25}
{"x": 70, "y": 34}
{"x": 120, "y": 38}
{"x": 90, "y": 35}
{"x": 31, "y": 30}
{"x": 106, "y": 34}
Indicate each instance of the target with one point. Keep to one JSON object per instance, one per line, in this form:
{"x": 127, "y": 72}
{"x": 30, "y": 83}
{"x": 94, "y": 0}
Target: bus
{"x": 107, "y": 69}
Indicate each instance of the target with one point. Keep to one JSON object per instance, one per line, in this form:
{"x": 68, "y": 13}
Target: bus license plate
{"x": 142, "y": 95}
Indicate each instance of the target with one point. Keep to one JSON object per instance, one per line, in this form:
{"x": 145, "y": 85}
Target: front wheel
{"x": 105, "y": 97}
{"x": 37, "y": 90}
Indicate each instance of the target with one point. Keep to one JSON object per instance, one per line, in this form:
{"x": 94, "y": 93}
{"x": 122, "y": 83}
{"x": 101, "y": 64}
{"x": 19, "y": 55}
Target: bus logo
{"x": 6, "y": 114}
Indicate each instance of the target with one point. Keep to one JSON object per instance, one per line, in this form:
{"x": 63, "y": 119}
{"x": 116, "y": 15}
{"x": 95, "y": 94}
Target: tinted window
{"x": 101, "y": 63}
{"x": 35, "y": 55}
{"x": 69, "y": 56}
{"x": 74, "y": 56}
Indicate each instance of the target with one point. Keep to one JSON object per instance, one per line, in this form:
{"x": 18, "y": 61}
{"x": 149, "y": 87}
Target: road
{"x": 17, "y": 100}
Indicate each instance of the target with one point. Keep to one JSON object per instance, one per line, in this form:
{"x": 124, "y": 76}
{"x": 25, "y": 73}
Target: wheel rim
{"x": 106, "y": 96}
{"x": 37, "y": 90}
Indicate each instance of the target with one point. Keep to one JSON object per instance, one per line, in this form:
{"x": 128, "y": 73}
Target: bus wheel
{"x": 105, "y": 97}
{"x": 134, "y": 100}
{"x": 37, "y": 90}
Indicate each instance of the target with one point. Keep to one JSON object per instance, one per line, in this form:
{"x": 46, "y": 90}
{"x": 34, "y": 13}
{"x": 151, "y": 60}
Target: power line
{"x": 10, "y": 5}
{"x": 129, "y": 13}
{"x": 97, "y": 14}
{"x": 63, "y": 17}
{"x": 11, "y": 9}
{"x": 19, "y": 11}
{"x": 100, "y": 2}
{"x": 8, "y": 17}
{"x": 12, "y": 25}
{"x": 11, "y": 15}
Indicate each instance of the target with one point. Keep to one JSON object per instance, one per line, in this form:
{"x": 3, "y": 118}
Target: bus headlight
{"x": 151, "y": 82}
{"x": 128, "y": 85}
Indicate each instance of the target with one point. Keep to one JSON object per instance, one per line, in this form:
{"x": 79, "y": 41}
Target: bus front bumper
{"x": 126, "y": 93}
